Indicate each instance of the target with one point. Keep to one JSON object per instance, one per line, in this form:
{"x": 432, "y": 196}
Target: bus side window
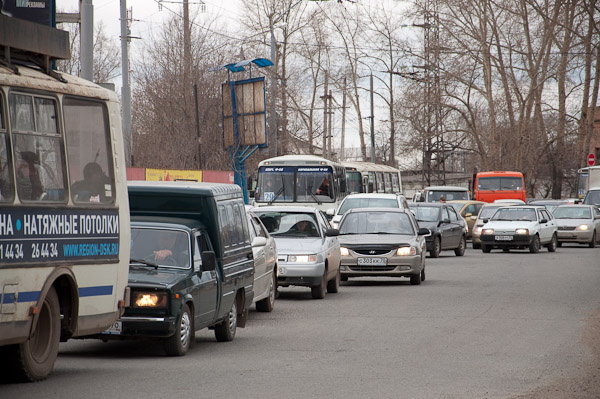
{"x": 90, "y": 157}
{"x": 38, "y": 149}
{"x": 6, "y": 176}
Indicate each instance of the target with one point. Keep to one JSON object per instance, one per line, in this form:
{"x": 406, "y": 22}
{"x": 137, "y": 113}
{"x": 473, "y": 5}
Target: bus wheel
{"x": 34, "y": 359}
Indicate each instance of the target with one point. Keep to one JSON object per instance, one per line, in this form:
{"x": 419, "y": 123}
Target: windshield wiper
{"x": 277, "y": 194}
{"x": 310, "y": 191}
{"x": 144, "y": 262}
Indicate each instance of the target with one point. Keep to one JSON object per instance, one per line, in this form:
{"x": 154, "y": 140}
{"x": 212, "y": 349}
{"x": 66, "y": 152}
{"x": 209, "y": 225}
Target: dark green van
{"x": 191, "y": 266}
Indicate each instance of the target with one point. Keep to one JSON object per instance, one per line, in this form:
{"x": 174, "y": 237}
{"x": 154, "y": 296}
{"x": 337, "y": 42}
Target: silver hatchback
{"x": 578, "y": 224}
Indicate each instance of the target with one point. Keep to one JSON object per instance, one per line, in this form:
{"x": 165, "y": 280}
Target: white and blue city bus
{"x": 300, "y": 180}
{"x": 64, "y": 214}
{"x": 369, "y": 177}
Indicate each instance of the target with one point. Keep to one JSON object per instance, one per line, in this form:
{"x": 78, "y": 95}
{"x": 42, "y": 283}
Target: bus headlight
{"x": 145, "y": 299}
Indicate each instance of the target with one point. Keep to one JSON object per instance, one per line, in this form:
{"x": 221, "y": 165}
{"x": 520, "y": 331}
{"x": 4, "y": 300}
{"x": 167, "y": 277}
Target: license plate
{"x": 372, "y": 261}
{"x": 116, "y": 328}
{"x": 503, "y": 238}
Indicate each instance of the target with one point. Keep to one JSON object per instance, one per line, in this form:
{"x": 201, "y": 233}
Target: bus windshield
{"x": 295, "y": 184}
{"x": 500, "y": 183}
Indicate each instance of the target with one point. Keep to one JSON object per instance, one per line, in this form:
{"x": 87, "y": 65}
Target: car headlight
{"x": 302, "y": 258}
{"x": 487, "y": 231}
{"x": 522, "y": 232}
{"x": 477, "y": 230}
{"x": 583, "y": 227}
{"x": 344, "y": 251}
{"x": 149, "y": 299}
{"x": 405, "y": 251}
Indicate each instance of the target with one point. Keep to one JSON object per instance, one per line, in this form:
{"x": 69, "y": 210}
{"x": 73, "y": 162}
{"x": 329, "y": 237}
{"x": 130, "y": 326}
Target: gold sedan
{"x": 468, "y": 210}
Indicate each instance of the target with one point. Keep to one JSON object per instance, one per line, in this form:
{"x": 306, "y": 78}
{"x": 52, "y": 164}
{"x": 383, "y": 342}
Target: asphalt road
{"x": 499, "y": 325}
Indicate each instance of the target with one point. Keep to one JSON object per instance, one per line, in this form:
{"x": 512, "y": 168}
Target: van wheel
{"x": 34, "y": 359}
{"x": 225, "y": 330}
{"x": 318, "y": 291}
{"x": 267, "y": 304}
{"x": 179, "y": 343}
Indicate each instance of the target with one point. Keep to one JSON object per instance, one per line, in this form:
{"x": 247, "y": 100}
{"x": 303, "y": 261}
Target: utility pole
{"x": 87, "y": 39}
{"x": 126, "y": 89}
{"x": 325, "y": 115}
{"x": 372, "y": 122}
{"x": 342, "y": 144}
{"x": 330, "y": 130}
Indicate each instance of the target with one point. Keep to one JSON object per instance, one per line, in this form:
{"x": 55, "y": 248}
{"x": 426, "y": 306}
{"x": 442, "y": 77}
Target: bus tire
{"x": 34, "y": 359}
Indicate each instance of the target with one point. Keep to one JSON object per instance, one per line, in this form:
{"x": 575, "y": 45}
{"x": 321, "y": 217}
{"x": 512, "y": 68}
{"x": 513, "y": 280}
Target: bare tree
{"x": 165, "y": 131}
{"x": 106, "y": 54}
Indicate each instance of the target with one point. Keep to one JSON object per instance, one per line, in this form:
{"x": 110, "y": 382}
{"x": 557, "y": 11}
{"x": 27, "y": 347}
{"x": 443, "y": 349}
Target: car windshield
{"x": 426, "y": 213}
{"x": 514, "y": 214}
{"x": 351, "y": 203}
{"x": 572, "y": 212}
{"x": 162, "y": 247}
{"x": 290, "y": 224}
{"x": 376, "y": 223}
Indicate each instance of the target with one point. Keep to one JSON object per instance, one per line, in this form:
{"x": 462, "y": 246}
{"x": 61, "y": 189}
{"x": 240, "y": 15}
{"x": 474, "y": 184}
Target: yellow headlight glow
{"x": 405, "y": 251}
{"x": 149, "y": 299}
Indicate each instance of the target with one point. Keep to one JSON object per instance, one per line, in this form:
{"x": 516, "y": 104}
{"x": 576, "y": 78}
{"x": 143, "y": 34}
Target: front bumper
{"x": 143, "y": 326}
{"x": 397, "y": 266}
{"x": 305, "y": 274}
{"x": 575, "y": 236}
{"x": 506, "y": 240}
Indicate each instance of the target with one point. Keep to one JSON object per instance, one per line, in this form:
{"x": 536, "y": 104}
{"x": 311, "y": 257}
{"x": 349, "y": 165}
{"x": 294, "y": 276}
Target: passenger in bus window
{"x": 93, "y": 186}
{"x": 323, "y": 188}
{"x": 29, "y": 184}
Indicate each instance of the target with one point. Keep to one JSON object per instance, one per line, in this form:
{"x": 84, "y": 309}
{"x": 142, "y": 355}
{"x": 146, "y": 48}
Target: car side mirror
{"x": 485, "y": 221}
{"x": 424, "y": 232}
{"x": 209, "y": 261}
{"x": 445, "y": 220}
{"x": 259, "y": 242}
{"x": 332, "y": 232}
{"x": 544, "y": 221}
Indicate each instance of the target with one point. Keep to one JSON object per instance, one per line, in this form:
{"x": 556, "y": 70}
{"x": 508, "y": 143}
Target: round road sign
{"x": 591, "y": 160}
